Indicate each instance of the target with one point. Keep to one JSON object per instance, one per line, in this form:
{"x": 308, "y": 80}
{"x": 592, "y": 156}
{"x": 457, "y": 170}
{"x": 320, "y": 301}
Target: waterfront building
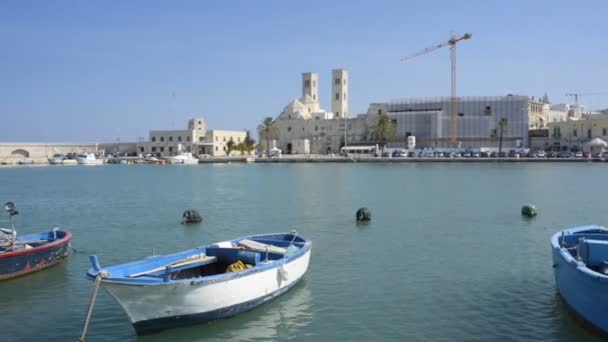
{"x": 195, "y": 139}
{"x": 543, "y": 112}
{"x": 576, "y": 134}
{"x": 428, "y": 119}
{"x": 305, "y": 127}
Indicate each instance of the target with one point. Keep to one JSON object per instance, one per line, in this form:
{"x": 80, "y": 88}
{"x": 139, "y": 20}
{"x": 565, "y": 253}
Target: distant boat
{"x": 89, "y": 159}
{"x": 20, "y": 255}
{"x": 205, "y": 283}
{"x": 580, "y": 265}
{"x": 182, "y": 158}
{"x": 25, "y": 162}
{"x": 57, "y": 159}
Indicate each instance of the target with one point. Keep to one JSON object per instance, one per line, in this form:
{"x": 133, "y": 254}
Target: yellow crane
{"x": 452, "y": 43}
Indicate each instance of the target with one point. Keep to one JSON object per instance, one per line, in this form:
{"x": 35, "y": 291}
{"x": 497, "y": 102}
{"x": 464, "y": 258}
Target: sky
{"x": 93, "y": 71}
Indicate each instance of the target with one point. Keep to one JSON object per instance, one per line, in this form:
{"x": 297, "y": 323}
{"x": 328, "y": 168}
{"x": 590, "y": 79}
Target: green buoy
{"x": 529, "y": 210}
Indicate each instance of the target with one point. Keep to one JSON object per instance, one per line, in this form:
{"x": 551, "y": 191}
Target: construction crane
{"x": 452, "y": 43}
{"x": 577, "y": 95}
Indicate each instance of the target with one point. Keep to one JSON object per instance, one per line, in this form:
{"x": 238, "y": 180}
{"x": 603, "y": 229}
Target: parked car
{"x": 439, "y": 154}
{"x": 578, "y": 154}
{"x": 493, "y": 154}
{"x": 411, "y": 154}
{"x": 596, "y": 155}
{"x": 399, "y": 154}
{"x": 484, "y": 154}
{"x": 502, "y": 154}
{"x": 476, "y": 154}
{"x": 541, "y": 154}
{"x": 513, "y": 154}
{"x": 467, "y": 154}
{"x": 552, "y": 154}
{"x": 565, "y": 154}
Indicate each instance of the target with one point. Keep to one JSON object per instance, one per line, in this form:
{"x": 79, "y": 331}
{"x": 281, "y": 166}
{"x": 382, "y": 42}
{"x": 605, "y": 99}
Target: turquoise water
{"x": 447, "y": 256}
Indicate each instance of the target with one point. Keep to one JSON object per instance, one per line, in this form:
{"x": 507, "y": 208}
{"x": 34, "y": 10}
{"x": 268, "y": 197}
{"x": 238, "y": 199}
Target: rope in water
{"x": 91, "y": 305}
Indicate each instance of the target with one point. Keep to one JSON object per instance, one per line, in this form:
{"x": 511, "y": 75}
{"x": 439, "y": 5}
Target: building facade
{"x": 575, "y": 134}
{"x": 195, "y": 139}
{"x": 477, "y": 120}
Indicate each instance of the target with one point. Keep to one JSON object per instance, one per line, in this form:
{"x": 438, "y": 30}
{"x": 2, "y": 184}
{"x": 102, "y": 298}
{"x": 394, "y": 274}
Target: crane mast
{"x": 453, "y": 101}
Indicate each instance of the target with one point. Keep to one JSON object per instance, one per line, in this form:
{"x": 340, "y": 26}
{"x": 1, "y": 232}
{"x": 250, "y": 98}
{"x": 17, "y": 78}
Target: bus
{"x": 359, "y": 150}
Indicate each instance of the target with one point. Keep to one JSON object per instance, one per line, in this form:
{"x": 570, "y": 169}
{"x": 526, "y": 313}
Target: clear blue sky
{"x": 98, "y": 70}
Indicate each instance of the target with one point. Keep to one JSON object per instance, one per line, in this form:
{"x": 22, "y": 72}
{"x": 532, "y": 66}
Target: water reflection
{"x": 284, "y": 317}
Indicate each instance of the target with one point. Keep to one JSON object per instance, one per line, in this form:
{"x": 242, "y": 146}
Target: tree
{"x": 503, "y": 123}
{"x": 383, "y": 130}
{"x": 230, "y": 146}
{"x": 249, "y": 143}
{"x": 267, "y": 128}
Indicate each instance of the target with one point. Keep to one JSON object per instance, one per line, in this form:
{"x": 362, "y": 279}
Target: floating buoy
{"x": 191, "y": 216}
{"x": 363, "y": 215}
{"x": 529, "y": 210}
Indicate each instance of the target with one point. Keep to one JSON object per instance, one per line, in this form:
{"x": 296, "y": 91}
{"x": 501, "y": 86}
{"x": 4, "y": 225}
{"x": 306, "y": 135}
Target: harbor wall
{"x": 12, "y": 153}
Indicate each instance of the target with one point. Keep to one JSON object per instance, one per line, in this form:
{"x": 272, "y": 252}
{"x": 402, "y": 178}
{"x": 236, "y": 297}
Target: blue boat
{"x": 205, "y": 283}
{"x": 20, "y": 255}
{"x": 580, "y": 264}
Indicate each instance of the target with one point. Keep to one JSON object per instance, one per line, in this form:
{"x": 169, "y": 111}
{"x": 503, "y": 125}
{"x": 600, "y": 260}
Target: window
{"x": 460, "y": 114}
{"x": 224, "y": 138}
{"x": 316, "y": 128}
{"x": 179, "y": 138}
{"x": 307, "y": 83}
{"x": 344, "y": 96}
{"x": 170, "y": 138}
{"x": 217, "y": 138}
{"x": 379, "y": 111}
{"x": 201, "y": 138}
{"x": 603, "y": 131}
{"x": 337, "y": 82}
{"x": 589, "y": 133}
{"x": 170, "y": 148}
{"x": 216, "y": 149}
{"x": 153, "y": 139}
{"x": 199, "y": 123}
{"x": 153, "y": 149}
{"x": 289, "y": 116}
{"x": 238, "y": 139}
{"x": 141, "y": 149}
{"x": 337, "y": 96}
{"x": 314, "y": 83}
{"x": 162, "y": 149}
{"x": 162, "y": 138}
{"x": 288, "y": 129}
{"x": 188, "y": 138}
{"x": 488, "y": 110}
{"x": 574, "y": 132}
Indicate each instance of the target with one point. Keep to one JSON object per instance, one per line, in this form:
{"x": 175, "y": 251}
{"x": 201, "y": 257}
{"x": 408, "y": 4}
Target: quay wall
{"x": 12, "y": 153}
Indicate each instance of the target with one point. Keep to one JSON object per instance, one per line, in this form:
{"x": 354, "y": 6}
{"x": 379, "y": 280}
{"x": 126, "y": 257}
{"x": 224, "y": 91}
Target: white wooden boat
{"x": 57, "y": 159}
{"x": 201, "y": 285}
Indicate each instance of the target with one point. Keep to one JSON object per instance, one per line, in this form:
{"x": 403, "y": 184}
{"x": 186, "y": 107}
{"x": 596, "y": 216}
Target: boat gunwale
{"x": 91, "y": 274}
{"x": 58, "y": 242}
{"x": 568, "y": 258}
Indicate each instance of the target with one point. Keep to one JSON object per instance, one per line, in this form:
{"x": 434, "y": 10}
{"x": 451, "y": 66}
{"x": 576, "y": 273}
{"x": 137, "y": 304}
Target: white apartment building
{"x": 196, "y": 139}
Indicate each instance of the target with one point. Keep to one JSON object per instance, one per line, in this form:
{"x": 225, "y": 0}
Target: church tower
{"x": 339, "y": 102}
{"x": 310, "y": 85}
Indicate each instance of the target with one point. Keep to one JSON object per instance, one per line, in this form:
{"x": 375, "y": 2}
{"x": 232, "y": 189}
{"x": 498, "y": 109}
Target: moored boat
{"x": 182, "y": 158}
{"x": 20, "y": 255}
{"x": 205, "y": 283}
{"x": 57, "y": 159}
{"x": 580, "y": 266}
{"x": 89, "y": 159}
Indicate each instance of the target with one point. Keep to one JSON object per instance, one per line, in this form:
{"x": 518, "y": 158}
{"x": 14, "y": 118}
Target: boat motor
{"x": 8, "y": 237}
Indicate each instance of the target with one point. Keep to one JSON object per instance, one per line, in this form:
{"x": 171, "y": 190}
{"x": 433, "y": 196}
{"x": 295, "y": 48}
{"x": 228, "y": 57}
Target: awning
{"x": 597, "y": 142}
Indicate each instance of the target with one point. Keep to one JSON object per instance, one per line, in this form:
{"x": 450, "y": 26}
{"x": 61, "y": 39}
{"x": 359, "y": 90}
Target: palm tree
{"x": 230, "y": 146}
{"x": 268, "y": 128}
{"x": 383, "y": 130}
{"x": 503, "y": 123}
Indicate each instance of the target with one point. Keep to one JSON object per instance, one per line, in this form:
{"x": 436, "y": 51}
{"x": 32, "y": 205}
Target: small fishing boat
{"x": 57, "y": 159}
{"x": 205, "y": 283}
{"x": 185, "y": 158}
{"x": 580, "y": 265}
{"x": 29, "y": 253}
{"x": 89, "y": 159}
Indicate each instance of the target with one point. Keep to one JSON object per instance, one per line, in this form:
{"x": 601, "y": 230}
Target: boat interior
{"x": 589, "y": 247}
{"x": 27, "y": 241}
{"x": 211, "y": 260}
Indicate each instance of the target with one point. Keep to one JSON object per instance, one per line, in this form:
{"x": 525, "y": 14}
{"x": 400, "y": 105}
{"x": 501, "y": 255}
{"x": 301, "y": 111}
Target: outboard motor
{"x": 191, "y": 216}
{"x": 363, "y": 215}
{"x": 7, "y": 237}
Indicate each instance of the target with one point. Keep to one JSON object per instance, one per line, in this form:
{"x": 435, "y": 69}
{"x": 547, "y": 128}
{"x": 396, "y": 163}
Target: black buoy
{"x": 529, "y": 210}
{"x": 363, "y": 215}
{"x": 191, "y": 216}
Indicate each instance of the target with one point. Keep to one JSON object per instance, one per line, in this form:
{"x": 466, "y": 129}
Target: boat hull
{"x": 21, "y": 262}
{"x": 159, "y": 307}
{"x": 585, "y": 292}
{"x": 82, "y": 161}
{"x": 183, "y": 161}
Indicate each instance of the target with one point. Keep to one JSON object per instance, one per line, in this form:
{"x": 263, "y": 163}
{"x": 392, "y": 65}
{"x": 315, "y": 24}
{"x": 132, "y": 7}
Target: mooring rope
{"x": 91, "y": 305}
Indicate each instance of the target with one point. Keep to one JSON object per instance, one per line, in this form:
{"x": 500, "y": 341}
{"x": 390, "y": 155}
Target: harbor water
{"x": 446, "y": 257}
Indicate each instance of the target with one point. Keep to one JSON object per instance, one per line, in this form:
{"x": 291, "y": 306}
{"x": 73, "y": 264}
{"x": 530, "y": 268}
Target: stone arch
{"x": 20, "y": 153}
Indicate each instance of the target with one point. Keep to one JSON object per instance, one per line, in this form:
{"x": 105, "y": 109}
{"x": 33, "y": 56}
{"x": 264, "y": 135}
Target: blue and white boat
{"x": 202, "y": 284}
{"x": 580, "y": 264}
